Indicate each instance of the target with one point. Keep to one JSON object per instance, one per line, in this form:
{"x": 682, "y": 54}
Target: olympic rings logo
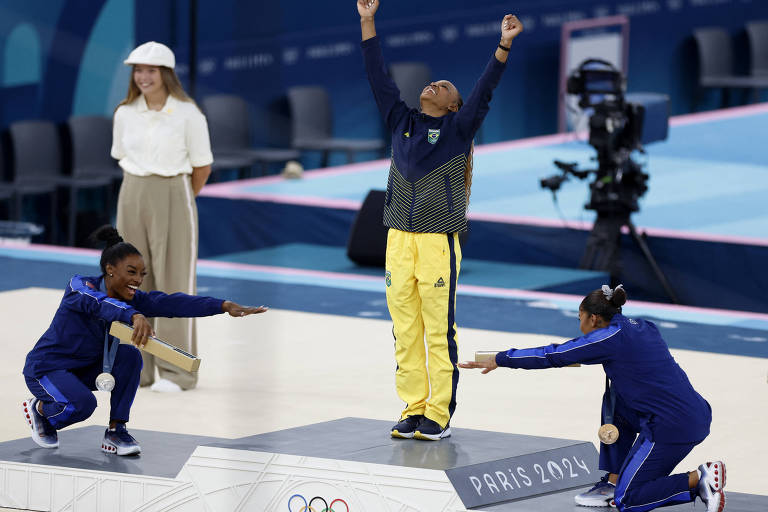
{"x": 308, "y": 506}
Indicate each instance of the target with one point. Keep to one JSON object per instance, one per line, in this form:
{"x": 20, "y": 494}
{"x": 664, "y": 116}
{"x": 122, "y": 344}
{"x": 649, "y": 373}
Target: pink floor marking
{"x": 485, "y": 290}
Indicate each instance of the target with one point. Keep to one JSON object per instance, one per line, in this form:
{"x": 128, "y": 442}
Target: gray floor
{"x": 366, "y": 440}
{"x": 163, "y": 454}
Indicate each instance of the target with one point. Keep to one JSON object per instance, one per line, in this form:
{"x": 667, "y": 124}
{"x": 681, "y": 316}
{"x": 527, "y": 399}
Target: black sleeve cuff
{"x": 369, "y": 42}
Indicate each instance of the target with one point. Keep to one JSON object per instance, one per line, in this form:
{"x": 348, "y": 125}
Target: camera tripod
{"x": 603, "y": 246}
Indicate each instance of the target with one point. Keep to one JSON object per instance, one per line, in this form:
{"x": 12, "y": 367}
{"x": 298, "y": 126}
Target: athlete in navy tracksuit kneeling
{"x": 658, "y": 414}
{"x": 61, "y": 369}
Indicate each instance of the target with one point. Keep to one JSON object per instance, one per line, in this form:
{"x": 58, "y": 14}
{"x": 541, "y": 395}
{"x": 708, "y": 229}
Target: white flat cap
{"x": 152, "y": 54}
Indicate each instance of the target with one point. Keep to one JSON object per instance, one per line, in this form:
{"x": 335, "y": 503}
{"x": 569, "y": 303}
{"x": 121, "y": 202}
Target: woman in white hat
{"x": 161, "y": 141}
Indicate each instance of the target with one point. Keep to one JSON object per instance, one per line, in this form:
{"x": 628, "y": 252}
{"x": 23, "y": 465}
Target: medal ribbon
{"x": 110, "y": 352}
{"x": 609, "y": 402}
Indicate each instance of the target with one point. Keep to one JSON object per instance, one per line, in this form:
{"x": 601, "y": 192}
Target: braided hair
{"x": 470, "y": 162}
{"x": 116, "y": 248}
{"x": 604, "y": 302}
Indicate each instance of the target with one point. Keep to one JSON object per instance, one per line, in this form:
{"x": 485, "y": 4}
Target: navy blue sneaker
{"x": 430, "y": 430}
{"x": 43, "y": 432}
{"x": 601, "y": 495}
{"x": 407, "y": 426}
{"x": 119, "y": 441}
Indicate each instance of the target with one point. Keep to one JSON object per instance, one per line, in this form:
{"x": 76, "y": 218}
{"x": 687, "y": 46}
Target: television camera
{"x": 617, "y": 128}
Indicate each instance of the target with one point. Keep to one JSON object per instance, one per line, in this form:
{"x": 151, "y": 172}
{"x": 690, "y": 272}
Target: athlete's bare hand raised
{"x": 367, "y": 8}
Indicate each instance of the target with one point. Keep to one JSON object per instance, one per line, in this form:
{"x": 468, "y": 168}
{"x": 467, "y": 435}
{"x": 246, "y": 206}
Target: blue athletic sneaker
{"x": 119, "y": 441}
{"x": 430, "y": 430}
{"x": 43, "y": 432}
{"x": 407, "y": 426}
{"x": 601, "y": 495}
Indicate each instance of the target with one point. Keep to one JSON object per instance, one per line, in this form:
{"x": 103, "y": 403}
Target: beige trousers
{"x": 158, "y": 215}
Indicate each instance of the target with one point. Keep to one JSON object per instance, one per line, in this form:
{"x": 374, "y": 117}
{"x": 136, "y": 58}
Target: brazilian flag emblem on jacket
{"x": 388, "y": 278}
{"x": 433, "y": 135}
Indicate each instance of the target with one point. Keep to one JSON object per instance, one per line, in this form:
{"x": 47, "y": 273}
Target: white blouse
{"x": 165, "y": 142}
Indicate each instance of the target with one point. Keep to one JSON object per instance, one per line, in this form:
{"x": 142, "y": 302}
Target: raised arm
{"x": 470, "y": 116}
{"x": 510, "y": 28}
{"x": 366, "y": 9}
{"x": 384, "y": 89}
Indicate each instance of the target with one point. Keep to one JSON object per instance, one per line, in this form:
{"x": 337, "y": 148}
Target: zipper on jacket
{"x": 448, "y": 196}
{"x": 413, "y": 205}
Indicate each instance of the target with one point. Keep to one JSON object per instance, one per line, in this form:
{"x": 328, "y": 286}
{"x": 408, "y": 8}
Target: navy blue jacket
{"x": 426, "y": 186}
{"x": 75, "y": 338}
{"x": 643, "y": 374}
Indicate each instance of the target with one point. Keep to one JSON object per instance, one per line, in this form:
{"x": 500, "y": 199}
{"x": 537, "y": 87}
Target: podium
{"x": 350, "y": 462}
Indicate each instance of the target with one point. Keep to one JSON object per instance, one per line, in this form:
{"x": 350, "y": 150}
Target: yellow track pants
{"x": 421, "y": 274}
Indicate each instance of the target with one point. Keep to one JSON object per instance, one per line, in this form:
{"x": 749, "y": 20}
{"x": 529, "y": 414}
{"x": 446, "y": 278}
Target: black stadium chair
{"x": 716, "y": 64}
{"x": 230, "y": 128}
{"x": 91, "y": 141}
{"x": 38, "y": 169}
{"x": 757, "y": 33}
{"x": 311, "y": 123}
{"x": 410, "y": 78}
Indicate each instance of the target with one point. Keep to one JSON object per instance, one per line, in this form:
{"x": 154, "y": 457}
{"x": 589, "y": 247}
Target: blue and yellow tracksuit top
{"x": 644, "y": 376}
{"x": 75, "y": 338}
{"x": 426, "y": 189}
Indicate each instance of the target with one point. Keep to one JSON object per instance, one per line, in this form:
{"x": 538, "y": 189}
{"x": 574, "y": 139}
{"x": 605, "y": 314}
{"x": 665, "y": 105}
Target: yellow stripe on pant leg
{"x": 437, "y": 268}
{"x": 405, "y": 309}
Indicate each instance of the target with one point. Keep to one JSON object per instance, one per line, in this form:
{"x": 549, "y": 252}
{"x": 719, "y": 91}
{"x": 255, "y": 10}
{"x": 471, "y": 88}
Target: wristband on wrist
{"x": 505, "y": 48}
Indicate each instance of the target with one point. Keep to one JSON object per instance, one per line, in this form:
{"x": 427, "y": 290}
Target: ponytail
{"x": 605, "y": 302}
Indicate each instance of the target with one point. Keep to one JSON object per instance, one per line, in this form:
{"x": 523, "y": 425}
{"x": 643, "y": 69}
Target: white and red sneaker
{"x": 600, "y": 495}
{"x": 43, "y": 432}
{"x": 711, "y": 484}
{"x": 119, "y": 441}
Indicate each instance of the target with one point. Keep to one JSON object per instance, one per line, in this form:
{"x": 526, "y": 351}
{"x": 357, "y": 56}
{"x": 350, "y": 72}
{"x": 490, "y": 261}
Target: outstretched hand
{"x": 510, "y": 28}
{"x": 142, "y": 330}
{"x": 237, "y": 310}
{"x": 487, "y": 366}
{"x": 367, "y": 8}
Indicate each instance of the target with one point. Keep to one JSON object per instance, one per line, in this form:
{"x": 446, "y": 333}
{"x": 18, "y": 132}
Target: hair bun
{"x": 619, "y": 297}
{"x": 105, "y": 233}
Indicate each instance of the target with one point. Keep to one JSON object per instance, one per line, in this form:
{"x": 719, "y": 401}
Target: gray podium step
{"x": 489, "y": 471}
{"x": 367, "y": 440}
{"x": 163, "y": 454}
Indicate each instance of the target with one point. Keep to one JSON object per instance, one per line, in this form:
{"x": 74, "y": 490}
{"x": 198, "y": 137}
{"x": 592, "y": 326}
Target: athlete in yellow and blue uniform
{"x": 425, "y": 209}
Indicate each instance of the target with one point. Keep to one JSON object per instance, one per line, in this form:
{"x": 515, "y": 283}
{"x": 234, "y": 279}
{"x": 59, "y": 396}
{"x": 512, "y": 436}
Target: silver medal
{"x": 105, "y": 382}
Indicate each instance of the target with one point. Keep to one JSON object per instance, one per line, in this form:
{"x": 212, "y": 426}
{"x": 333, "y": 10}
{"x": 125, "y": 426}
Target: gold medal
{"x": 608, "y": 433}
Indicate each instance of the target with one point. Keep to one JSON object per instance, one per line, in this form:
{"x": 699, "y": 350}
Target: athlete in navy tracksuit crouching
{"x": 61, "y": 369}
{"x": 658, "y": 414}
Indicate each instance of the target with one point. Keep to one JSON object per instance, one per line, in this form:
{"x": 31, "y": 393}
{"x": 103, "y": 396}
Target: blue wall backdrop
{"x": 258, "y": 49}
{"x": 63, "y": 57}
